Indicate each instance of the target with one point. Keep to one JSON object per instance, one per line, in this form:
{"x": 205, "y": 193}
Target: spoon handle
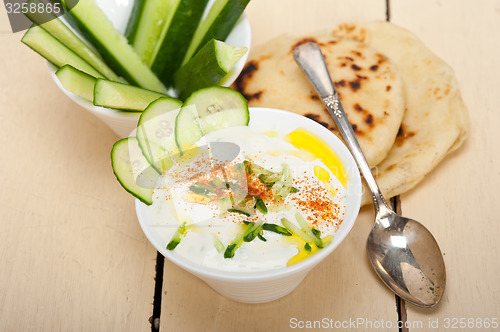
{"x": 310, "y": 59}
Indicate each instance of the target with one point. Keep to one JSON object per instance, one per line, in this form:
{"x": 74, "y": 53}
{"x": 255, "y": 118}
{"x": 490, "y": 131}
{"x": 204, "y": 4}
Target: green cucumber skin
{"x": 197, "y": 74}
{"x": 86, "y": 81}
{"x": 134, "y": 20}
{"x": 146, "y": 200}
{"x": 222, "y": 25}
{"x": 175, "y": 42}
{"x": 61, "y": 32}
{"x": 49, "y": 54}
{"x": 146, "y": 116}
{"x": 102, "y": 48}
{"x": 101, "y": 100}
{"x": 225, "y": 21}
{"x": 188, "y": 131}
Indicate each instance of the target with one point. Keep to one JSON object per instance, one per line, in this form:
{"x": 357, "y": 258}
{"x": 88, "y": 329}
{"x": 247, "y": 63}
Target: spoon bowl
{"x": 402, "y": 251}
{"x": 407, "y": 258}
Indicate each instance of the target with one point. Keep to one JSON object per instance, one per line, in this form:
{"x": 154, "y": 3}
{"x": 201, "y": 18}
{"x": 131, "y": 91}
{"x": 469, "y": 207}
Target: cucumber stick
{"x": 123, "y": 96}
{"x": 156, "y": 133}
{"x": 207, "y": 110}
{"x": 132, "y": 170}
{"x": 54, "y": 51}
{"x": 77, "y": 82}
{"x": 133, "y": 20}
{"x": 146, "y": 24}
{"x": 219, "y": 22}
{"x": 207, "y": 67}
{"x": 111, "y": 44}
{"x": 61, "y": 32}
{"x": 175, "y": 36}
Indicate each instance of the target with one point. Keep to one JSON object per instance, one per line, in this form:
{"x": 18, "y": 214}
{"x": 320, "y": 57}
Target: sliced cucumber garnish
{"x": 123, "y": 96}
{"x": 207, "y": 67}
{"x": 42, "y": 42}
{"x": 61, "y": 32}
{"x": 132, "y": 170}
{"x": 77, "y": 82}
{"x": 156, "y": 132}
{"x": 218, "y": 23}
{"x": 207, "y": 110}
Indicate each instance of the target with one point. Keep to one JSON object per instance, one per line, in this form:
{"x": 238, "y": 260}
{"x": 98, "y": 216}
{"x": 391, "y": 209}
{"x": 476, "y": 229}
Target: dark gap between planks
{"x": 396, "y": 205}
{"x": 155, "y": 318}
{"x": 400, "y": 303}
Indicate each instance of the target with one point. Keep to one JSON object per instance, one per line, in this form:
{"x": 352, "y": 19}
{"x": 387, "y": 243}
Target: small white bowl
{"x": 121, "y": 122}
{"x": 264, "y": 286}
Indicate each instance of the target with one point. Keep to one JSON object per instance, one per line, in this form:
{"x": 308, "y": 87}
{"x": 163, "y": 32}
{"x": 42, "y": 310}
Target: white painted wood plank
{"x": 459, "y": 200}
{"x": 72, "y": 253}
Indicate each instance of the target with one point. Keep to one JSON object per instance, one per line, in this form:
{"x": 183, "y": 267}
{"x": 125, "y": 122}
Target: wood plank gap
{"x": 396, "y": 205}
{"x": 400, "y": 303}
{"x": 155, "y": 319}
{"x": 388, "y": 10}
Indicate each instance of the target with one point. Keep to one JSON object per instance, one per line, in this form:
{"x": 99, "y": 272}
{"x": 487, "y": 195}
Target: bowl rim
{"x": 242, "y": 27}
{"x": 353, "y": 189}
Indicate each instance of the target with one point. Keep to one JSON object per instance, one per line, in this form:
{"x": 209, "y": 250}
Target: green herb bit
{"x": 262, "y": 238}
{"x": 316, "y": 232}
{"x": 297, "y": 231}
{"x": 307, "y": 247}
{"x": 287, "y": 174}
{"x": 245, "y": 200}
{"x": 249, "y": 237}
{"x": 238, "y": 240}
{"x": 216, "y": 182}
{"x": 307, "y": 229}
{"x": 276, "y": 229}
{"x": 270, "y": 179}
{"x": 260, "y": 205}
{"x": 294, "y": 190}
{"x": 229, "y": 253}
{"x": 176, "y": 238}
{"x": 254, "y": 233}
{"x": 218, "y": 244}
{"x": 197, "y": 188}
{"x": 236, "y": 210}
{"x": 256, "y": 169}
{"x": 265, "y": 180}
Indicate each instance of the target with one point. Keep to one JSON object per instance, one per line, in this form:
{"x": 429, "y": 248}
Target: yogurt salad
{"x": 251, "y": 198}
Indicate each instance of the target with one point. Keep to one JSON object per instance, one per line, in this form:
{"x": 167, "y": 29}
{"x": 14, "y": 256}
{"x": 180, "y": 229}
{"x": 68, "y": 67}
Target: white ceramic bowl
{"x": 264, "y": 286}
{"x": 121, "y": 122}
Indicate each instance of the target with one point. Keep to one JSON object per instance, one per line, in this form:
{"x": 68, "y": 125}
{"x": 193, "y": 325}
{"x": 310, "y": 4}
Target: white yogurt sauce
{"x": 270, "y": 151}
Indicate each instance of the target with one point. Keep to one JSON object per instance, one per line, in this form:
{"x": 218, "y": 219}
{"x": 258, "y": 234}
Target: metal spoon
{"x": 402, "y": 251}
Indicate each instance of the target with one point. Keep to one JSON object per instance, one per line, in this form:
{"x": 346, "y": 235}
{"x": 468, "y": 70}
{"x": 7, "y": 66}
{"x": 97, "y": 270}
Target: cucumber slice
{"x": 76, "y": 81}
{"x": 207, "y": 67}
{"x": 207, "y": 110}
{"x": 174, "y": 39}
{"x": 123, "y": 96}
{"x": 134, "y": 20}
{"x": 54, "y": 51}
{"x": 219, "y": 22}
{"x": 61, "y": 32}
{"x": 156, "y": 133}
{"x": 150, "y": 17}
{"x": 111, "y": 44}
{"x": 132, "y": 170}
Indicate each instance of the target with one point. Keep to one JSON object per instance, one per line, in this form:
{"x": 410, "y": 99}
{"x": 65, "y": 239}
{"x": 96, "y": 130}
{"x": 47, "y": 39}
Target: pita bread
{"x": 368, "y": 84}
{"x": 435, "y": 121}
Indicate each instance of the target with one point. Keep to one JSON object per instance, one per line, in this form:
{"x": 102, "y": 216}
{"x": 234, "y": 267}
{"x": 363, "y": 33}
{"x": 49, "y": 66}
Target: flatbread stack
{"x": 401, "y": 99}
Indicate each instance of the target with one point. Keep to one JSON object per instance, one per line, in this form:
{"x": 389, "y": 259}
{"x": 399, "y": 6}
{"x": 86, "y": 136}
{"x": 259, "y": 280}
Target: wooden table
{"x": 73, "y": 257}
